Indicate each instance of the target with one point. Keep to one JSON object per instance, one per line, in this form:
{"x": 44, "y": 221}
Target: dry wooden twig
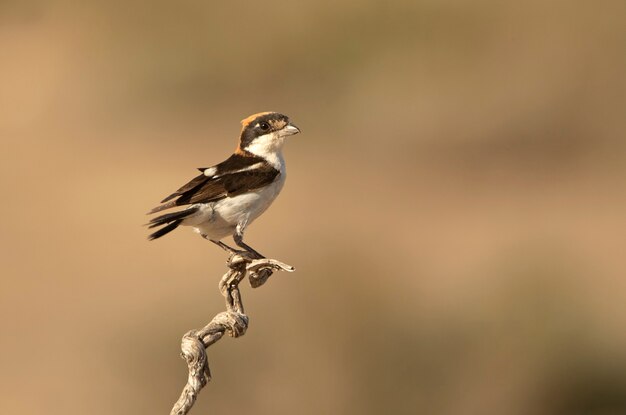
{"x": 232, "y": 321}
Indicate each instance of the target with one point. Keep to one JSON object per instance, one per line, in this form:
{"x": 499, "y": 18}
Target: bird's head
{"x": 265, "y": 133}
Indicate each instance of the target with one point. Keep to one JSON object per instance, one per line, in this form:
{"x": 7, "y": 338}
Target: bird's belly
{"x": 219, "y": 219}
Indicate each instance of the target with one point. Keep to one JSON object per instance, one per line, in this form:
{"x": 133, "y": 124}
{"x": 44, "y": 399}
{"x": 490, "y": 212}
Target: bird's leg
{"x": 222, "y": 245}
{"x": 238, "y": 238}
{"x": 239, "y": 241}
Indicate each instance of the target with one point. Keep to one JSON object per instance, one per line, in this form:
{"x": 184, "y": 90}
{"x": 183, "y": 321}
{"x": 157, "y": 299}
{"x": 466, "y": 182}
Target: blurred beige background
{"x": 455, "y": 205}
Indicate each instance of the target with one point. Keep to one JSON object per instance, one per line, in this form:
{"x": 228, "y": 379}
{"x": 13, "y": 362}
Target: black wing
{"x": 234, "y": 176}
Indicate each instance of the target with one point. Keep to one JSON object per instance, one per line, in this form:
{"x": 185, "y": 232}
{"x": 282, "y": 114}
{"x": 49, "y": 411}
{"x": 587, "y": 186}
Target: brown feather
{"x": 228, "y": 180}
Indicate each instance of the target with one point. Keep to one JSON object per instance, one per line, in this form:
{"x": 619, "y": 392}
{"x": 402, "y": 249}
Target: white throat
{"x": 269, "y": 147}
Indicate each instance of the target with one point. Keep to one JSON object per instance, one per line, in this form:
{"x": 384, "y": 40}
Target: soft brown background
{"x": 455, "y": 205}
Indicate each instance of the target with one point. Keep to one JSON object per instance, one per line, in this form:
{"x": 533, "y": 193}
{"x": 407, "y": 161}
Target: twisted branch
{"x": 232, "y": 321}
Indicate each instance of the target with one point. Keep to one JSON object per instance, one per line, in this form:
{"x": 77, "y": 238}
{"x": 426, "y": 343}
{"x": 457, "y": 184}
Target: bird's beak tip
{"x": 291, "y": 129}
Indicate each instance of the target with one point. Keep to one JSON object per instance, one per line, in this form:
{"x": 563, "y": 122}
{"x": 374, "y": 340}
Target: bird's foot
{"x": 254, "y": 254}
{"x": 249, "y": 254}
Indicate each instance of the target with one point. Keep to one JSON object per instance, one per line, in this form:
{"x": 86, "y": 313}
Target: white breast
{"x": 219, "y": 219}
{"x": 249, "y": 206}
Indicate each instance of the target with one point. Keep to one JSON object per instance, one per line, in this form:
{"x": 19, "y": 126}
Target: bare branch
{"x": 233, "y": 321}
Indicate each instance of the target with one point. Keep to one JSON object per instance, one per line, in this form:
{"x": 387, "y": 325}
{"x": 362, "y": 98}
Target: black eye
{"x": 264, "y": 126}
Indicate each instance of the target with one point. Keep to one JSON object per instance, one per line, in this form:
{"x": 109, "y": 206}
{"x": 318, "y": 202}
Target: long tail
{"x": 171, "y": 220}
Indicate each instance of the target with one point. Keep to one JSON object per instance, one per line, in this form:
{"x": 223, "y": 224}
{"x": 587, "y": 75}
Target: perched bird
{"x": 224, "y": 199}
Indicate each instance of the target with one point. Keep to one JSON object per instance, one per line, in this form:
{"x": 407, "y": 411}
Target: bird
{"x": 223, "y": 200}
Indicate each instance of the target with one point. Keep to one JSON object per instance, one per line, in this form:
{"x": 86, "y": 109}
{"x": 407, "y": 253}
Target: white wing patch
{"x": 210, "y": 171}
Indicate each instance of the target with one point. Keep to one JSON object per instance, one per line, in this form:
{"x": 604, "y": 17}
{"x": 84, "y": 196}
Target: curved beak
{"x": 290, "y": 129}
